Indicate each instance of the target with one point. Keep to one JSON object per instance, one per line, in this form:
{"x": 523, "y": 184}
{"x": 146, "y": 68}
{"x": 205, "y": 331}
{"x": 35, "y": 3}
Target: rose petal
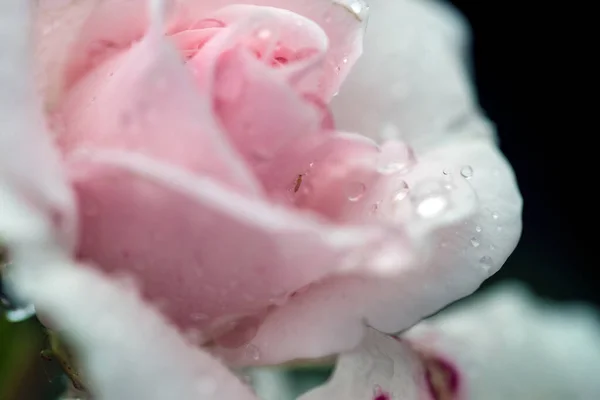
{"x": 381, "y": 368}
{"x": 142, "y": 204}
{"x": 260, "y": 111}
{"x": 127, "y": 350}
{"x": 462, "y": 199}
{"x": 73, "y": 36}
{"x": 143, "y": 100}
{"x": 508, "y": 344}
{"x": 421, "y": 92}
{"x": 29, "y": 168}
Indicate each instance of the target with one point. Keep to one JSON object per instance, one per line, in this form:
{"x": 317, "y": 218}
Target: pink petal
{"x": 133, "y": 207}
{"x": 74, "y": 36}
{"x": 127, "y": 350}
{"x": 260, "y": 111}
{"x": 462, "y": 200}
{"x": 381, "y": 368}
{"x": 30, "y": 176}
{"x": 143, "y": 100}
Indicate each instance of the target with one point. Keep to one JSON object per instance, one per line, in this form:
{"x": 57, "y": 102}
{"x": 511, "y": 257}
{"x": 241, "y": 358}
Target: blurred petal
{"x": 29, "y": 168}
{"x": 381, "y": 368}
{"x": 507, "y": 344}
{"x": 127, "y": 350}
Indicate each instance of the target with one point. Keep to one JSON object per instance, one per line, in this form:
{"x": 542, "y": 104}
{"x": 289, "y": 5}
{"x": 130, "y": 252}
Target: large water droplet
{"x": 355, "y": 191}
{"x": 359, "y": 8}
{"x": 432, "y": 206}
{"x": 475, "y": 242}
{"x": 430, "y": 198}
{"x": 466, "y": 172}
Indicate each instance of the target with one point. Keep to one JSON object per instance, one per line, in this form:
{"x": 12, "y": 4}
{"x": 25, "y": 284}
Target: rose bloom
{"x": 265, "y": 180}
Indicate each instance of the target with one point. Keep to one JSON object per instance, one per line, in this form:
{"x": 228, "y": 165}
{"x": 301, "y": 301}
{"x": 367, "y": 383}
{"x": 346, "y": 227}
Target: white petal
{"x": 507, "y": 344}
{"x": 127, "y": 350}
{"x": 380, "y": 368}
{"x": 412, "y": 77}
{"x": 29, "y": 166}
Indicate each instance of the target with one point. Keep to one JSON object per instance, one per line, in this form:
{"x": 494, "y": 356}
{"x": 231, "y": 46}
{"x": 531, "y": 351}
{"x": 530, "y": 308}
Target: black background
{"x": 526, "y": 61}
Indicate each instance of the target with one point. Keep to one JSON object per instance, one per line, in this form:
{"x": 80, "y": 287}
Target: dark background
{"x": 527, "y": 59}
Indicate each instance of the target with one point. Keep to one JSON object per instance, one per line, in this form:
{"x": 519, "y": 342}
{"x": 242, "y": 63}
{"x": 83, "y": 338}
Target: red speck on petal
{"x": 381, "y": 394}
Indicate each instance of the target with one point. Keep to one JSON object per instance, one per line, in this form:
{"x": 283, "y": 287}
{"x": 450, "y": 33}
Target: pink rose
{"x": 200, "y": 148}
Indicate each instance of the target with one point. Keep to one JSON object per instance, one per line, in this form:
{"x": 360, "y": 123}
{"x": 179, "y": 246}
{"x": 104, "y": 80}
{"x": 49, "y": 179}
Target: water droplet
{"x": 432, "y": 206}
{"x": 446, "y": 171}
{"x": 401, "y": 193}
{"x": 486, "y": 262}
{"x": 492, "y": 247}
{"x": 395, "y": 157}
{"x": 475, "y": 242}
{"x": 466, "y": 172}
{"x": 359, "y": 8}
{"x": 355, "y": 191}
{"x": 252, "y": 352}
{"x": 477, "y": 228}
{"x": 495, "y": 215}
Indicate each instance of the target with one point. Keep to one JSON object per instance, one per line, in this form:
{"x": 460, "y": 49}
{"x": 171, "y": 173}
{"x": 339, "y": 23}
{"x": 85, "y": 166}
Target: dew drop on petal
{"x": 466, "y": 172}
{"x": 446, "y": 171}
{"x": 486, "y": 262}
{"x": 401, "y": 193}
{"x": 429, "y": 198}
{"x": 432, "y": 206}
{"x": 477, "y": 228}
{"x": 495, "y": 215}
{"x": 252, "y": 352}
{"x": 396, "y": 157}
{"x": 355, "y": 190}
{"x": 475, "y": 242}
